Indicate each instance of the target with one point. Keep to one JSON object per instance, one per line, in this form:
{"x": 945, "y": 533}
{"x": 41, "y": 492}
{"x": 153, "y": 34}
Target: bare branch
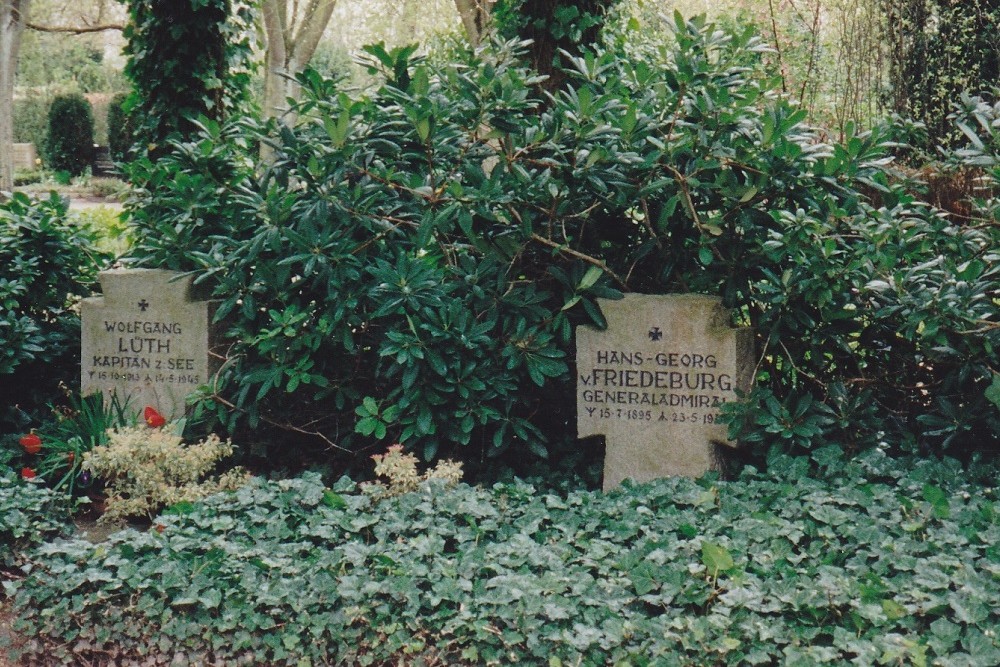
{"x": 579, "y": 255}
{"x": 75, "y": 29}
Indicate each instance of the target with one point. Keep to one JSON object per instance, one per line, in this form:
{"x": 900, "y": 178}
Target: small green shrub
{"x": 107, "y": 188}
{"x": 46, "y": 264}
{"x": 70, "y": 142}
{"x": 107, "y": 225}
{"x": 24, "y": 177}
{"x": 818, "y": 561}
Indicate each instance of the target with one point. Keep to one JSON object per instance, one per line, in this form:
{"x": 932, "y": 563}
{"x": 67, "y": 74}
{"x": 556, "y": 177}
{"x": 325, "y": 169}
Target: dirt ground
{"x": 6, "y": 638}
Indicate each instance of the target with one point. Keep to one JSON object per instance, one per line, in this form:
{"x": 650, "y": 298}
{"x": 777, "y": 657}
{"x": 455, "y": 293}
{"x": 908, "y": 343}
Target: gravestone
{"x": 653, "y": 382}
{"x": 24, "y": 156}
{"x": 148, "y": 338}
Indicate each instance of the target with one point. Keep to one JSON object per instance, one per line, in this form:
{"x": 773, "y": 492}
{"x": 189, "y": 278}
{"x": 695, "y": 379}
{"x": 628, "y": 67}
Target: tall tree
{"x": 13, "y": 17}
{"x": 293, "y": 31}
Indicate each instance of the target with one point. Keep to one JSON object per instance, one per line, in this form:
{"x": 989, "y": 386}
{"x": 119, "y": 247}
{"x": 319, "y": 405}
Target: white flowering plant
{"x": 148, "y": 467}
{"x": 400, "y": 474}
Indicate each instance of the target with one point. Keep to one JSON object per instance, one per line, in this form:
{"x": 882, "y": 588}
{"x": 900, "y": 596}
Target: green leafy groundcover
{"x": 29, "y": 514}
{"x": 825, "y": 561}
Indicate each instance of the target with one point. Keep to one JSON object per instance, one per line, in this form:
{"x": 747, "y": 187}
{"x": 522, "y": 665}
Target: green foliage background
{"x": 412, "y": 264}
{"x": 46, "y": 263}
{"x": 121, "y": 128}
{"x": 938, "y": 50}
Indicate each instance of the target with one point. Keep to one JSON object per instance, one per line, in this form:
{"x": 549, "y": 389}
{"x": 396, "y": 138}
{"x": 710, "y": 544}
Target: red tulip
{"x": 153, "y": 418}
{"x": 27, "y": 473}
{"x": 31, "y": 443}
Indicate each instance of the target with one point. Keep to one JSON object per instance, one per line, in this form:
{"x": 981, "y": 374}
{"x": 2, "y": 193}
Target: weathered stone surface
{"x": 24, "y": 156}
{"x": 147, "y": 338}
{"x": 652, "y": 383}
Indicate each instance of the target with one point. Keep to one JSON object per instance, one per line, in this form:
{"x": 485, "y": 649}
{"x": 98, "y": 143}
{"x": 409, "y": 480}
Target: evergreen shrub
{"x": 46, "y": 264}
{"x": 31, "y": 120}
{"x": 411, "y": 266}
{"x": 121, "y": 128}
{"x": 70, "y": 142}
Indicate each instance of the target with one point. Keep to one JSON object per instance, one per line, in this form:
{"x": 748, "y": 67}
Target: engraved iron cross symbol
{"x": 655, "y": 333}
{"x": 143, "y": 305}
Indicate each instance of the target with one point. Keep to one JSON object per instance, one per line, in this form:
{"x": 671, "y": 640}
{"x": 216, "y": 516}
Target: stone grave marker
{"x": 24, "y": 156}
{"x": 652, "y": 383}
{"x": 147, "y": 338}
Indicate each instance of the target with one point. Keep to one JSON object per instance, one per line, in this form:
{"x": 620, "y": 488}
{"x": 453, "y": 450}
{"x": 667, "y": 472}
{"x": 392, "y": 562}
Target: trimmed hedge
{"x": 69, "y": 145}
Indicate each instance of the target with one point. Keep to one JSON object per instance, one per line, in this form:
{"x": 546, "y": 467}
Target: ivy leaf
{"x": 334, "y": 500}
{"x": 993, "y": 391}
{"x": 210, "y": 598}
{"x": 643, "y": 579}
{"x": 893, "y": 610}
{"x": 716, "y": 558}
{"x": 938, "y": 500}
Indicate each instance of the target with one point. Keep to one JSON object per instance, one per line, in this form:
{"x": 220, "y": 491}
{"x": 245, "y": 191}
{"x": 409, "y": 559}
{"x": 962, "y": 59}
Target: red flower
{"x": 159, "y": 527}
{"x": 70, "y": 456}
{"x": 153, "y": 418}
{"x": 27, "y": 473}
{"x": 31, "y": 443}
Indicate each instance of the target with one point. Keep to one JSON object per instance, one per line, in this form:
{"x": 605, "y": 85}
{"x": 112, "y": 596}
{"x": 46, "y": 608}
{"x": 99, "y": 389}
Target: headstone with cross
{"x": 653, "y": 382}
{"x": 147, "y": 339}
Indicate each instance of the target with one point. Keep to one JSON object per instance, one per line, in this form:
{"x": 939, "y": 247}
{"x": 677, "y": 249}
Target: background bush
{"x": 938, "y": 50}
{"x": 46, "y": 264}
{"x": 121, "y": 128}
{"x": 200, "y": 65}
{"x": 69, "y": 145}
{"x": 31, "y": 121}
{"x": 413, "y": 263}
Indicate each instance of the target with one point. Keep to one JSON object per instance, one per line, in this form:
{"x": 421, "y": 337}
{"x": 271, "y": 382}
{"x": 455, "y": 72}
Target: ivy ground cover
{"x": 818, "y": 561}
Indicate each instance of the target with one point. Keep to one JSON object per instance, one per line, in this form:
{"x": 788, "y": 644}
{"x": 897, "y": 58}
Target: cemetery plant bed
{"x": 820, "y": 560}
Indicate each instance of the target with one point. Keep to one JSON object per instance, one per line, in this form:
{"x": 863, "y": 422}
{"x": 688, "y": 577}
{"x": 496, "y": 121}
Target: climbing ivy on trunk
{"x": 939, "y": 49}
{"x": 186, "y": 58}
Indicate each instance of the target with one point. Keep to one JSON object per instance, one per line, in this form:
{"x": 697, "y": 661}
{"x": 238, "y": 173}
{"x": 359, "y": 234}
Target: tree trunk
{"x": 545, "y": 46}
{"x": 13, "y": 16}
{"x": 291, "y": 42}
{"x": 475, "y": 16}
{"x": 274, "y": 58}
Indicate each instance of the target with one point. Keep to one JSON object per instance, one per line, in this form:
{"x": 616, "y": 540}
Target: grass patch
{"x": 820, "y": 561}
